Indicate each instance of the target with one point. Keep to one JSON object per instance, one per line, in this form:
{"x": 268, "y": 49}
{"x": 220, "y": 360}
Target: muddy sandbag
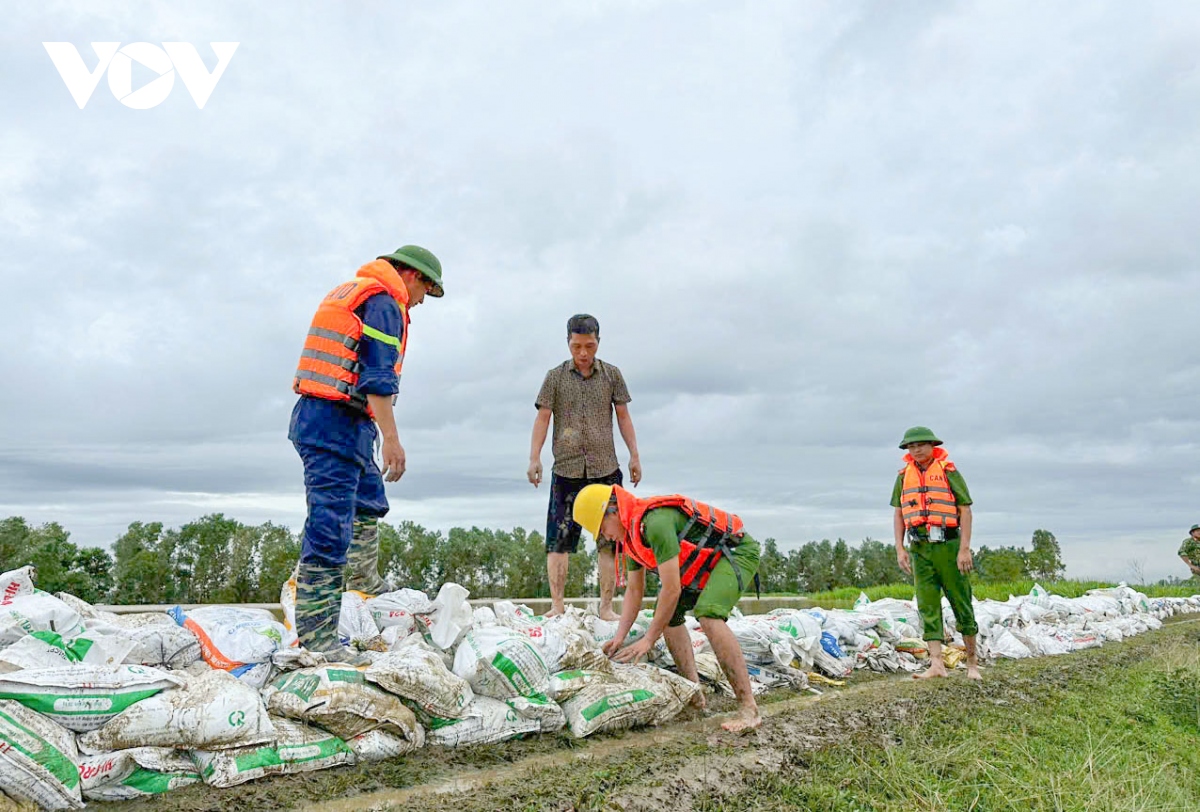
{"x": 156, "y": 638}
{"x": 298, "y": 748}
{"x": 51, "y": 649}
{"x": 634, "y": 695}
{"x": 484, "y": 721}
{"x": 37, "y": 759}
{"x": 84, "y": 697}
{"x": 418, "y": 674}
{"x": 215, "y": 710}
{"x": 760, "y": 641}
{"x": 234, "y": 639}
{"x": 339, "y": 699}
{"x": 545, "y": 711}
{"x": 37, "y": 612}
{"x": 565, "y": 684}
{"x": 379, "y": 745}
{"x": 128, "y": 774}
{"x": 501, "y": 663}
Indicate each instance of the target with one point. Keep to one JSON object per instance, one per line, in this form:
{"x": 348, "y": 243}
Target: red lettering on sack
{"x": 89, "y": 771}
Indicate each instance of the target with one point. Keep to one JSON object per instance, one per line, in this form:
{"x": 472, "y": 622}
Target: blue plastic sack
{"x": 830, "y": 644}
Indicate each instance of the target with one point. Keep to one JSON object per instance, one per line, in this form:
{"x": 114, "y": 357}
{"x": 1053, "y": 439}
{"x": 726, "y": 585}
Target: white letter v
{"x": 199, "y": 82}
{"x": 70, "y": 66}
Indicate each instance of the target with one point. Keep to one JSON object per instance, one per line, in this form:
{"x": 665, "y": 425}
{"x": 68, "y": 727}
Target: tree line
{"x": 216, "y": 559}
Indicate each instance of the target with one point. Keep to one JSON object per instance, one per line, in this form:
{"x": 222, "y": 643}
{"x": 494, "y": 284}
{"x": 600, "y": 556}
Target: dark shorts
{"x": 562, "y": 534}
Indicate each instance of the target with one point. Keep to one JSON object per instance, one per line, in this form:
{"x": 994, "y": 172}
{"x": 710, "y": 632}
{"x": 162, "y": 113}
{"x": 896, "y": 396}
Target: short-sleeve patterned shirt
{"x": 583, "y": 418}
{"x": 1190, "y": 549}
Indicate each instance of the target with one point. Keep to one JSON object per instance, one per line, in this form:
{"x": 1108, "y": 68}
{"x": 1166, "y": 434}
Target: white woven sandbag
{"x": 214, "y": 710}
{"x": 339, "y": 699}
{"x": 297, "y": 748}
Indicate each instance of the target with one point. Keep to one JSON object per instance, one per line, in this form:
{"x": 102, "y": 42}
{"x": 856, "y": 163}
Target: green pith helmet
{"x": 423, "y": 260}
{"x": 919, "y": 434}
{"x": 1195, "y": 527}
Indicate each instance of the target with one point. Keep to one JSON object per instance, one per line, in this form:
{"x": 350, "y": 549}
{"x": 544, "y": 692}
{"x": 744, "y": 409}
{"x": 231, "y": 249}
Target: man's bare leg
{"x": 972, "y": 659}
{"x": 556, "y": 568}
{"x": 679, "y": 643}
{"x": 729, "y": 655}
{"x": 937, "y": 666}
{"x": 606, "y": 564}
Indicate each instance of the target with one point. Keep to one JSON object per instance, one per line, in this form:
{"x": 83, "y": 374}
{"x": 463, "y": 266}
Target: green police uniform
{"x": 935, "y": 570}
{"x": 662, "y": 527}
{"x": 1190, "y": 549}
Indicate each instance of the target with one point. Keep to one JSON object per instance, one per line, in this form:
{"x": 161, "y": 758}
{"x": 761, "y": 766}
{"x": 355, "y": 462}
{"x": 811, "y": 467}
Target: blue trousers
{"x": 338, "y": 486}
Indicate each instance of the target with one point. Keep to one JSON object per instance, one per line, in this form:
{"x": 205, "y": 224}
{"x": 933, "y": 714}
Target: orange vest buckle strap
{"x": 926, "y": 497}
{"x": 329, "y": 364}
{"x": 697, "y": 559}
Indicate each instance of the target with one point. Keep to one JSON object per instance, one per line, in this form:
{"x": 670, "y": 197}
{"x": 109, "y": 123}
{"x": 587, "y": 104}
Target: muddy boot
{"x": 318, "y": 606}
{"x": 362, "y": 559}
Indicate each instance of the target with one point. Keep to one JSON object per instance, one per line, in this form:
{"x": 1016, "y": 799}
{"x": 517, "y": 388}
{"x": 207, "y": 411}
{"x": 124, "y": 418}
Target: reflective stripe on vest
{"x": 329, "y": 363}
{"x": 926, "y": 497}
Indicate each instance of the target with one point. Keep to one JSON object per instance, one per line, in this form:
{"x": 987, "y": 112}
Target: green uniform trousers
{"x": 721, "y": 593}
{"x": 935, "y": 570}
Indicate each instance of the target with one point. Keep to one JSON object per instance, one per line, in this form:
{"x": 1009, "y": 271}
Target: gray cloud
{"x": 803, "y": 228}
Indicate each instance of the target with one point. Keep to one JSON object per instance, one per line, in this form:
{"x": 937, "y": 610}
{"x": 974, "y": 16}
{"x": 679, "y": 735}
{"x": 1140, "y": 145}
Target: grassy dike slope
{"x": 1115, "y": 728}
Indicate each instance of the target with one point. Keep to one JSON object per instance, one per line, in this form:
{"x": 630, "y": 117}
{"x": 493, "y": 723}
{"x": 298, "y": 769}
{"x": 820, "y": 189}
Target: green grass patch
{"x": 1076, "y": 733}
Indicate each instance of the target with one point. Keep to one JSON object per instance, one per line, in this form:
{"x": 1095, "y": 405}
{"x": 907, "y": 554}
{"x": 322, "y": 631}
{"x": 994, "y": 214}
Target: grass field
{"x": 844, "y": 598}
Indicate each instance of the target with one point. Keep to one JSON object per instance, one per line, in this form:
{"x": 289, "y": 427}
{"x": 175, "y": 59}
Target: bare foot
{"x": 554, "y": 612}
{"x": 744, "y": 722}
{"x": 609, "y": 615}
{"x": 973, "y": 672}
{"x": 931, "y": 672}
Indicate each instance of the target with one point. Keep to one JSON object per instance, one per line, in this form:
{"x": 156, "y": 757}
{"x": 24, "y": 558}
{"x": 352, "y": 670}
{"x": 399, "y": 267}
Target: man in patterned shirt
{"x": 581, "y": 396}
{"x": 1189, "y": 551}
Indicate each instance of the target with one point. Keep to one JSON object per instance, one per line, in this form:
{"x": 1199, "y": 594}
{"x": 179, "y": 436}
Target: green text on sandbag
{"x": 512, "y": 673}
{"x": 615, "y": 701}
{"x": 152, "y": 783}
{"x": 13, "y": 733}
{"x": 79, "y": 704}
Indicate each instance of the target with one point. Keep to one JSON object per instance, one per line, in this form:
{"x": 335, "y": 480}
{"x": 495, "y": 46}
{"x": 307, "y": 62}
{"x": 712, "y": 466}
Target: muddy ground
{"x": 687, "y": 765}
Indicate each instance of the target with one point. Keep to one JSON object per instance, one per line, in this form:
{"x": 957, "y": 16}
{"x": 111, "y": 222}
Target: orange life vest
{"x": 329, "y": 365}
{"x": 926, "y": 498}
{"x": 696, "y": 560}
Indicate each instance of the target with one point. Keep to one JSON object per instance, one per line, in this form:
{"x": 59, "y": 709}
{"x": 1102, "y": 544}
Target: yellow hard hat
{"x": 590, "y": 503}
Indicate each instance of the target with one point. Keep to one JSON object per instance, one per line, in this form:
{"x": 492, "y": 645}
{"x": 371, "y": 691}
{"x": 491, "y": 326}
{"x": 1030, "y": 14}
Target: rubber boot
{"x": 318, "y": 606}
{"x": 362, "y": 559}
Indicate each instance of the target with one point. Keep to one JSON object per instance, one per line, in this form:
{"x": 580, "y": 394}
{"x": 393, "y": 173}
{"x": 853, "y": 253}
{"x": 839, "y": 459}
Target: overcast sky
{"x": 802, "y": 226}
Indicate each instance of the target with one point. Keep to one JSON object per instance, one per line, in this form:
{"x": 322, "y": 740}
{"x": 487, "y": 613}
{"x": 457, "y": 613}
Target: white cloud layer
{"x": 803, "y": 227}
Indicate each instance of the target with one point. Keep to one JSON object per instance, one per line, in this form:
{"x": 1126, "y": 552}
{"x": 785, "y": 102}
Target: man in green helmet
{"x": 933, "y": 514}
{"x": 347, "y": 379}
{"x": 1189, "y": 551}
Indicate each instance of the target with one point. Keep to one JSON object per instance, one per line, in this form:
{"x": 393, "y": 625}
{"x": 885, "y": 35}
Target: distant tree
{"x": 141, "y": 571}
{"x": 843, "y": 565}
{"x": 878, "y": 565}
{"x": 1045, "y": 559}
{"x": 772, "y": 569}
{"x": 279, "y": 552}
{"x": 410, "y": 555}
{"x": 1001, "y": 565}
{"x": 61, "y": 566}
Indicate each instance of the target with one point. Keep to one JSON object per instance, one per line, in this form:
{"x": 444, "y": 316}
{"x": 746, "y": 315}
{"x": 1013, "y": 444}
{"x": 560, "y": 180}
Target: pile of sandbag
{"x": 102, "y": 706}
